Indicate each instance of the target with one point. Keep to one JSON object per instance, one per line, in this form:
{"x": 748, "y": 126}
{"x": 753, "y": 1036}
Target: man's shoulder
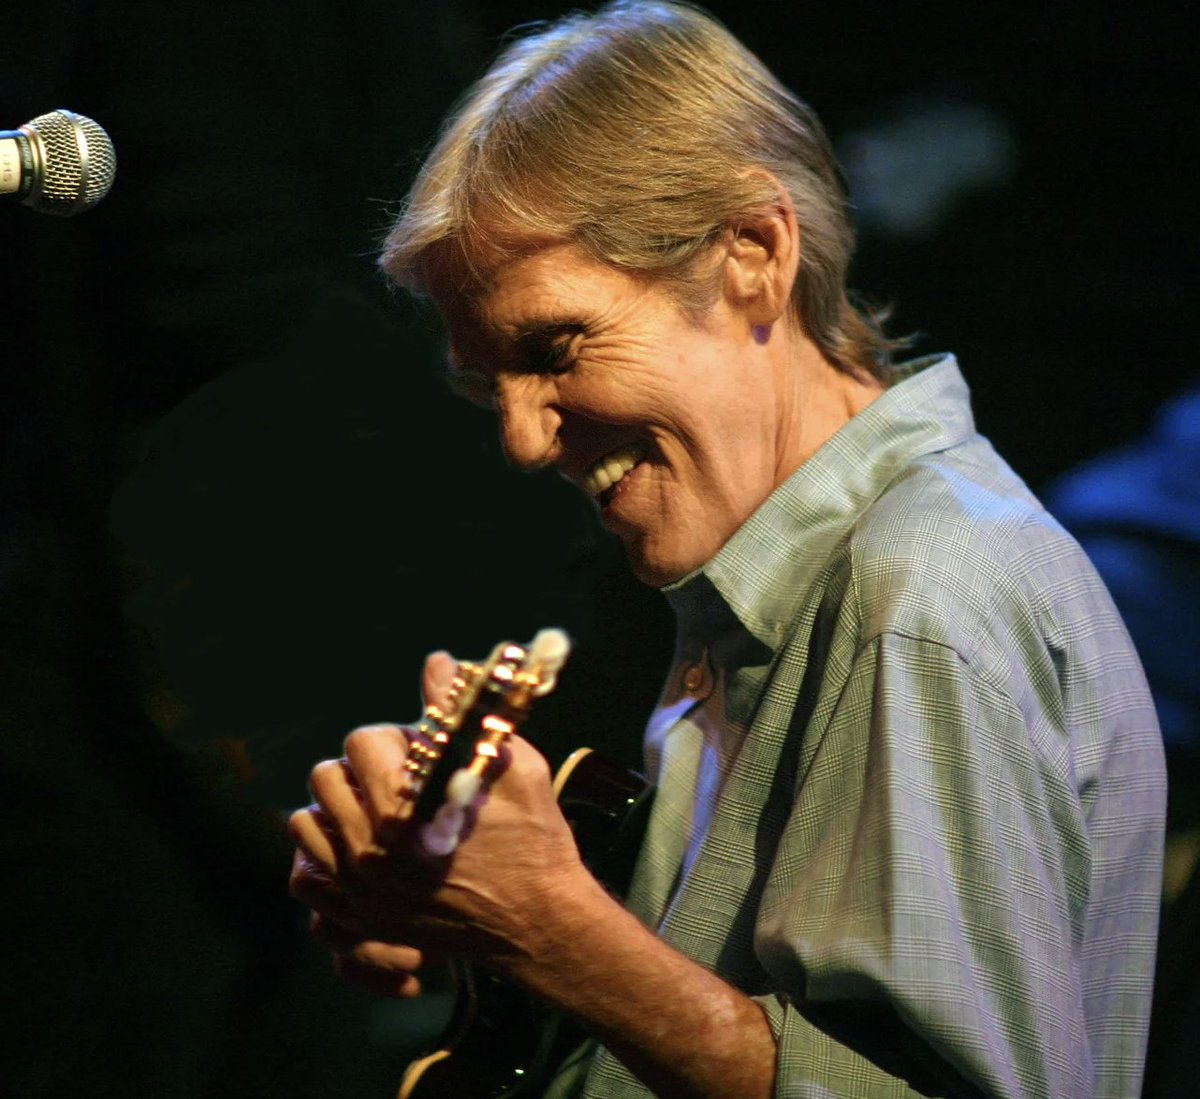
{"x": 952, "y": 548}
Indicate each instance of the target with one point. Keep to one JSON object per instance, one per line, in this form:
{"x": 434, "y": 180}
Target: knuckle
{"x": 363, "y": 735}
{"x": 297, "y": 823}
{"x": 325, "y": 772}
{"x": 528, "y": 761}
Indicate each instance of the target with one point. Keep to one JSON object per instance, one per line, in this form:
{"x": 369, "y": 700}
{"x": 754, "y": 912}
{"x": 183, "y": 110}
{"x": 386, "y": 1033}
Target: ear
{"x": 761, "y": 260}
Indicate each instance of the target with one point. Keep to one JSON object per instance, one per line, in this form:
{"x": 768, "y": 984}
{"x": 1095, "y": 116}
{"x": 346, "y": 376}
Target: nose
{"x": 529, "y": 420}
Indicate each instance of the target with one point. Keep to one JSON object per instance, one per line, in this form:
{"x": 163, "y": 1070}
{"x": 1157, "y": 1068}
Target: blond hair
{"x": 635, "y": 132}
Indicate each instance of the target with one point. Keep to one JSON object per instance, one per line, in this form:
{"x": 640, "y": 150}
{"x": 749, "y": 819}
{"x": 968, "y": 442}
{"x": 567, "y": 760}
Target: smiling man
{"x": 910, "y": 790}
{"x": 678, "y": 425}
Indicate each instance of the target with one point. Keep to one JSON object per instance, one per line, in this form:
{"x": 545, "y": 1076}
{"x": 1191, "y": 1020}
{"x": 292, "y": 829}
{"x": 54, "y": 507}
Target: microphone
{"x": 61, "y": 164}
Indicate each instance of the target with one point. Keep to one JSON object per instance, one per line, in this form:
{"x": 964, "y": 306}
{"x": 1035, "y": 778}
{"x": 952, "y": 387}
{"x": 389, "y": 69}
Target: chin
{"x": 659, "y": 572}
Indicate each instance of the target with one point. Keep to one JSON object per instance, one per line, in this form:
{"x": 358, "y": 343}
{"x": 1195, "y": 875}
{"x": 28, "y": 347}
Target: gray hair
{"x": 635, "y": 132}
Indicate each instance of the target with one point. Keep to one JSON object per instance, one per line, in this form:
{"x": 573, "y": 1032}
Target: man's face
{"x": 670, "y": 424}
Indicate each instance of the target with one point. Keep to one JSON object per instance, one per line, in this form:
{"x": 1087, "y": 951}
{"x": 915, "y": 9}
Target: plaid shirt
{"x": 911, "y": 789}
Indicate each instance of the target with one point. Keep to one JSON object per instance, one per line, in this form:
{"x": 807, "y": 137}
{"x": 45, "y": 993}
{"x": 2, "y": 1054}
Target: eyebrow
{"x": 544, "y": 328}
{"x": 455, "y": 367}
{"x": 520, "y": 334}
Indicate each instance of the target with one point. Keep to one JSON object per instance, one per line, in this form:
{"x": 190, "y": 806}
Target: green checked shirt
{"x": 911, "y": 786}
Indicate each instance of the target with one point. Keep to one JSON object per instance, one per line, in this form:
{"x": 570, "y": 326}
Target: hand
{"x": 360, "y": 866}
{"x": 387, "y": 969}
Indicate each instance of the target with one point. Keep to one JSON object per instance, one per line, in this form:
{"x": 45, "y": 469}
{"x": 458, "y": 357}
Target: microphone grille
{"x": 78, "y": 163}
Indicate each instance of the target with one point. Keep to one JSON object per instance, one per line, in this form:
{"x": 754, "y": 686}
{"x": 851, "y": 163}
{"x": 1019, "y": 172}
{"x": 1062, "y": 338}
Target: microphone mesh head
{"x": 78, "y": 163}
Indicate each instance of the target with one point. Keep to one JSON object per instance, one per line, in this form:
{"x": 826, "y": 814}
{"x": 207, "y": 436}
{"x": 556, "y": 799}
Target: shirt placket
{"x": 669, "y": 832}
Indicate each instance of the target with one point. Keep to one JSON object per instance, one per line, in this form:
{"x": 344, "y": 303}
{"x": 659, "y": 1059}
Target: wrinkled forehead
{"x": 466, "y": 265}
{"x": 493, "y": 294}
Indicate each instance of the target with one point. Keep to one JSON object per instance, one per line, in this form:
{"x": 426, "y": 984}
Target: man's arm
{"x": 681, "y": 1029}
{"x": 517, "y": 898}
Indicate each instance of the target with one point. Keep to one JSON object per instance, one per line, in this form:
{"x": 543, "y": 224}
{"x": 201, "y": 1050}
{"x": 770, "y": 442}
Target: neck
{"x": 816, "y": 400}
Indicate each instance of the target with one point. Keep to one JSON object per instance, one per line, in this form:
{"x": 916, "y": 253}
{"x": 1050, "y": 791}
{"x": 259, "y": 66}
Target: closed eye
{"x": 547, "y": 350}
{"x": 543, "y": 350}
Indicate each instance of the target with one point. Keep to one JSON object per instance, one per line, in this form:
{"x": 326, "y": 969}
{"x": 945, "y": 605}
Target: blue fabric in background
{"x": 1136, "y": 510}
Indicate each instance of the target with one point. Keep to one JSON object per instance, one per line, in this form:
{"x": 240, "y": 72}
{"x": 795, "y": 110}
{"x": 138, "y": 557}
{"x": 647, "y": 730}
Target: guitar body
{"x": 502, "y": 1043}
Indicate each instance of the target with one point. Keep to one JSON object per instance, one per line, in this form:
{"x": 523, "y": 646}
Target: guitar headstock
{"x": 458, "y": 740}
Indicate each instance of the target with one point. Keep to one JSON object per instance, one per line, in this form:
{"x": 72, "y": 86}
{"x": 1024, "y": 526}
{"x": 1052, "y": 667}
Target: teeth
{"x": 609, "y": 470}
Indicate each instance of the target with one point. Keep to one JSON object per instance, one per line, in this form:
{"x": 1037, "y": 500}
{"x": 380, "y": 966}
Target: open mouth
{"x": 600, "y": 482}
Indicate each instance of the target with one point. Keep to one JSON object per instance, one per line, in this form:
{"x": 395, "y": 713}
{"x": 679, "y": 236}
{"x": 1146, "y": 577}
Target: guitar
{"x": 501, "y": 1043}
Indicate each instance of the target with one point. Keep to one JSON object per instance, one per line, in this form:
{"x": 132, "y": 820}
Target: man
{"x": 910, "y": 792}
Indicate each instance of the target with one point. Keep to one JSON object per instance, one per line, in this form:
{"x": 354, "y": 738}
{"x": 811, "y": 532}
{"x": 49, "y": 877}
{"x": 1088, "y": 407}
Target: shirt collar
{"x": 764, "y": 567}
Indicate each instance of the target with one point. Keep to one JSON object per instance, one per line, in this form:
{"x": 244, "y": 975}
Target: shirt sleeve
{"x": 926, "y": 901}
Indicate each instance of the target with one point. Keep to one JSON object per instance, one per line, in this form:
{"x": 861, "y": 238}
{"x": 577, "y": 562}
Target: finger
{"x": 383, "y": 981}
{"x": 343, "y": 937}
{"x": 526, "y": 764}
{"x": 527, "y": 757}
{"x": 342, "y": 810}
{"x": 308, "y": 831}
{"x": 392, "y": 957}
{"x": 437, "y": 676}
{"x": 376, "y": 755}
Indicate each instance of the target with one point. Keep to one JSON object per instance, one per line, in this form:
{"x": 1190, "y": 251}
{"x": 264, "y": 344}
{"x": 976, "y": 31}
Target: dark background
{"x": 238, "y": 506}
